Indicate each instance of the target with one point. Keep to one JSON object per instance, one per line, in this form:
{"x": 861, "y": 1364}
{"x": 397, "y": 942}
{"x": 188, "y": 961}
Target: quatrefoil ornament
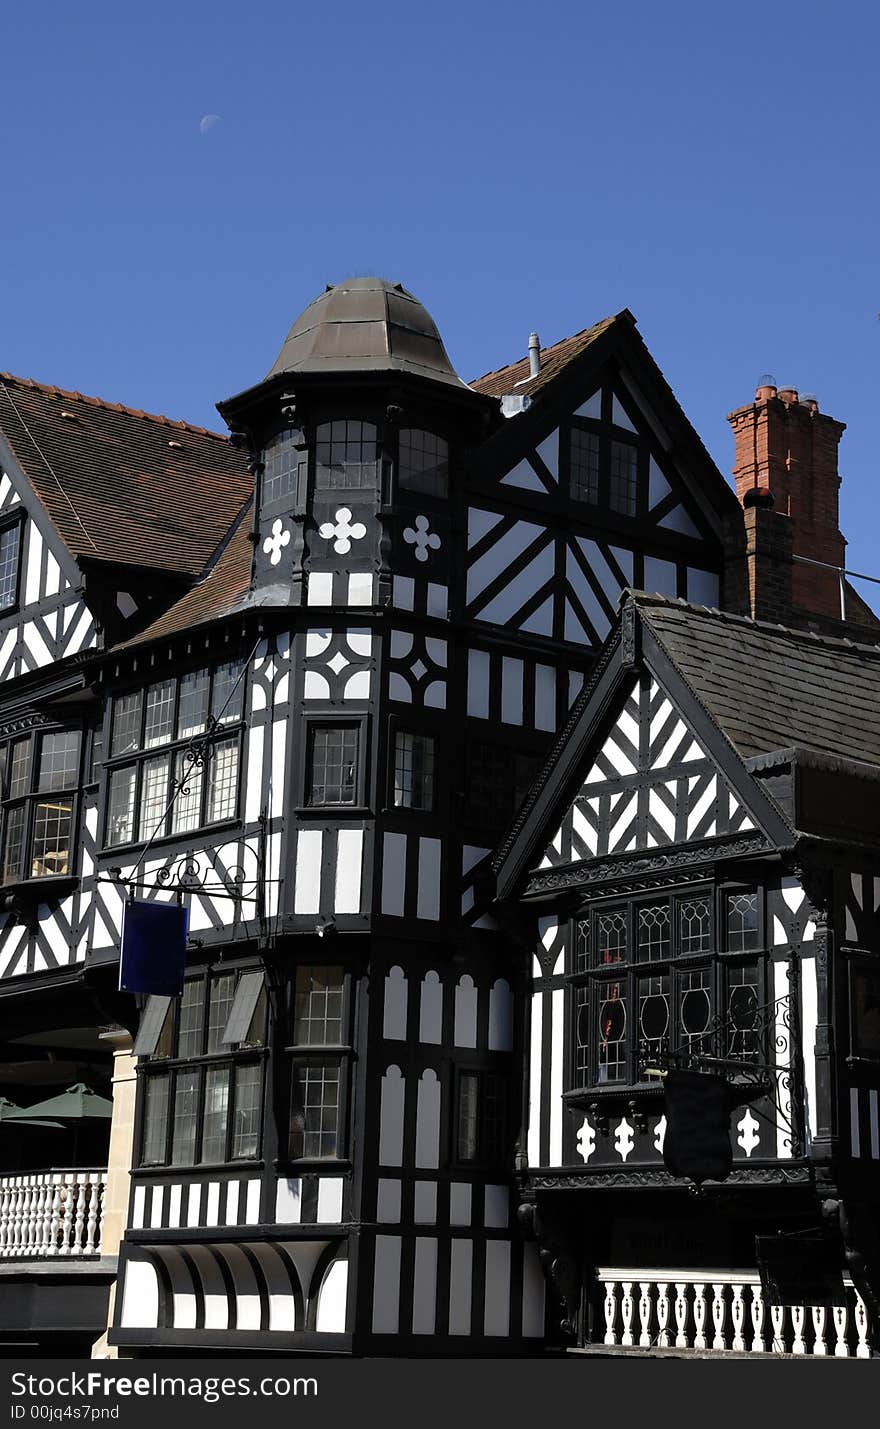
{"x": 422, "y": 537}
{"x": 274, "y": 544}
{"x": 343, "y": 532}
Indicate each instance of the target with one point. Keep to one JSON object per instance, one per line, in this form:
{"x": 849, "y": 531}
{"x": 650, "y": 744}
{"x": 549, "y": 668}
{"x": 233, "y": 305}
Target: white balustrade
{"x": 51, "y": 1213}
{"x": 713, "y": 1301}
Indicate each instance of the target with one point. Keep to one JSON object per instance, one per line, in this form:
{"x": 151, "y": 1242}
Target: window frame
{"x": 31, "y": 796}
{"x": 171, "y": 1066}
{"x": 473, "y": 815}
{"x": 482, "y": 1160}
{"x": 212, "y": 735}
{"x": 608, "y": 436}
{"x": 401, "y": 729}
{"x": 586, "y": 980}
{"x": 328, "y": 719}
{"x": 341, "y": 1053}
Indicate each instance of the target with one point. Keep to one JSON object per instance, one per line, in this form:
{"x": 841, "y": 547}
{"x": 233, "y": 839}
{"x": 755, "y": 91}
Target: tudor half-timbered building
{"x": 301, "y": 681}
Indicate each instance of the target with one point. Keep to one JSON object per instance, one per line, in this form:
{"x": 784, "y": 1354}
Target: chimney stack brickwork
{"x": 785, "y": 445}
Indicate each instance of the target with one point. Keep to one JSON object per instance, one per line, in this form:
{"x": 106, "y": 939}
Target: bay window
{"x": 40, "y": 777}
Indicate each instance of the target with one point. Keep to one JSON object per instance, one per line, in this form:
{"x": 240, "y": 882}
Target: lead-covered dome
{"x": 366, "y": 325}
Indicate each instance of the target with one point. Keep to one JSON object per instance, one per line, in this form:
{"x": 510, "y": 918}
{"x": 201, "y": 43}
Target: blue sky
{"x": 712, "y": 168}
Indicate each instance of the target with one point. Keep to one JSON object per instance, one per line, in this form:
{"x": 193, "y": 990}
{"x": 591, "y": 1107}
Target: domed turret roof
{"x": 366, "y": 325}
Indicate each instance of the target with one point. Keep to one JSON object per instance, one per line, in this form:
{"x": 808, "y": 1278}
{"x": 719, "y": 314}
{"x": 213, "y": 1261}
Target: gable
{"x": 43, "y": 617}
{"x": 650, "y": 783}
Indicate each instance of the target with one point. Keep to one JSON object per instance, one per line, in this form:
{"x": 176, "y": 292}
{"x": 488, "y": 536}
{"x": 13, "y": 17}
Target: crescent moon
{"x": 207, "y": 122}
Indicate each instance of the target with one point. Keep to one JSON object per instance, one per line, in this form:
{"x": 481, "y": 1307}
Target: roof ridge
{"x": 571, "y": 337}
{"x": 837, "y": 642}
{"x": 177, "y": 423}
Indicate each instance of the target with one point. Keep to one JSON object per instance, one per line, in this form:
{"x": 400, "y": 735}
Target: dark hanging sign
{"x": 697, "y": 1141}
{"x": 800, "y": 1270}
{"x": 153, "y": 948}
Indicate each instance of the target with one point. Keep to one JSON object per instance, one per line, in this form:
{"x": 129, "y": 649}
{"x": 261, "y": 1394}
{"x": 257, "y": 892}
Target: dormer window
{"x": 346, "y": 453}
{"x": 10, "y": 553}
{"x": 605, "y": 469}
{"x": 423, "y": 462}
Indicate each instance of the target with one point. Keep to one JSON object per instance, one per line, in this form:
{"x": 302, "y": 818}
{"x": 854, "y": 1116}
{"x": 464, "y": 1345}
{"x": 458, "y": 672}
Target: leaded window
{"x": 280, "y": 464}
{"x": 332, "y": 764}
{"x": 346, "y": 454}
{"x": 413, "y": 771}
{"x": 584, "y": 466}
{"x": 320, "y": 1054}
{"x": 680, "y": 974}
{"x": 481, "y": 1119}
{"x": 174, "y": 759}
{"x": 202, "y": 1092}
{"x": 423, "y": 462}
{"x": 623, "y": 478}
{"x": 40, "y": 777}
{"x": 498, "y": 779}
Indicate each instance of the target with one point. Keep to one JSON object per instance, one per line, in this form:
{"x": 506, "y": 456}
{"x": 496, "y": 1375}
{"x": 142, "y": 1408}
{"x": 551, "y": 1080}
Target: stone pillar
{"x": 118, "y": 1187}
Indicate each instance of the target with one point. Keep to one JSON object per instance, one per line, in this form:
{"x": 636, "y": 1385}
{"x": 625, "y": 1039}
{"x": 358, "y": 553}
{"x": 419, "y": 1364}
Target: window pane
{"x": 653, "y": 933}
{"x": 192, "y": 711}
{"x": 582, "y": 1036}
{"x": 582, "y": 945}
{"x": 317, "y": 1007}
{"x": 59, "y": 761}
{"x": 160, "y": 713}
{"x": 611, "y": 930}
{"x": 333, "y": 765}
{"x": 19, "y": 768}
{"x": 126, "y": 724}
{"x": 165, "y": 1041}
{"x": 120, "y": 807}
{"x": 345, "y": 455}
{"x": 413, "y": 771}
{"x": 246, "y": 1126}
{"x": 423, "y": 462}
{"x": 624, "y": 478}
{"x": 228, "y": 691}
{"x": 695, "y": 1012}
{"x": 188, "y": 779}
{"x": 220, "y": 997}
{"x": 9, "y": 544}
{"x": 13, "y": 854}
{"x": 183, "y": 1136}
{"x": 192, "y": 1018}
{"x": 584, "y": 466}
{"x": 468, "y": 1112}
{"x": 52, "y": 827}
{"x": 223, "y": 780}
{"x": 612, "y": 1031}
{"x": 215, "y": 1114}
{"x": 743, "y": 1021}
{"x": 314, "y": 1109}
{"x": 653, "y": 1016}
{"x": 154, "y": 797}
{"x": 742, "y": 922}
{"x": 695, "y": 925}
{"x": 280, "y": 460}
{"x": 97, "y": 753}
{"x": 155, "y": 1121}
{"x": 256, "y": 1033}
{"x": 493, "y": 1120}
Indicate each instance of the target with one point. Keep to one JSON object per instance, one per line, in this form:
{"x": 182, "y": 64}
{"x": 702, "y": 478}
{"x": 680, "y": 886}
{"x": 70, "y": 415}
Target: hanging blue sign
{"x": 153, "y": 948}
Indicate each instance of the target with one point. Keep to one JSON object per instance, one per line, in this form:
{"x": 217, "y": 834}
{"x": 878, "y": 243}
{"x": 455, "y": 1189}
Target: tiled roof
{"x": 769, "y": 688}
{"x": 223, "y": 588}
{"x": 122, "y": 485}
{"x": 515, "y": 378}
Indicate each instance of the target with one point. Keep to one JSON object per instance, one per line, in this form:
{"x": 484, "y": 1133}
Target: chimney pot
{"x": 534, "y": 354}
{"x": 788, "y": 394}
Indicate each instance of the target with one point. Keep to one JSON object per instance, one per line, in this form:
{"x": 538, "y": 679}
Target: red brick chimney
{"x": 786, "y": 447}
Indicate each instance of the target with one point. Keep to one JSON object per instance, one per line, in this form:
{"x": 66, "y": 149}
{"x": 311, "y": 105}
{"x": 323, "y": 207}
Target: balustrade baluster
{"x": 94, "y": 1191}
{"x": 863, "y": 1351}
{"x": 54, "y": 1216}
{"x": 626, "y": 1311}
{"x": 738, "y": 1315}
{"x": 41, "y": 1217}
{"x": 777, "y": 1316}
{"x": 819, "y": 1345}
{"x": 719, "y": 1315}
{"x": 840, "y": 1316}
{"x": 681, "y": 1314}
{"x": 79, "y": 1214}
{"x": 757, "y": 1309}
{"x": 67, "y": 1200}
{"x": 610, "y": 1312}
{"x": 699, "y": 1316}
{"x": 645, "y": 1312}
{"x": 663, "y": 1313}
{"x": 4, "y": 1214}
{"x": 798, "y": 1317}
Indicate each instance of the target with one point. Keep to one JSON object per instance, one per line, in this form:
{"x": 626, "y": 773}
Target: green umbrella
{"x": 76, "y": 1104}
{"x": 9, "y": 1111}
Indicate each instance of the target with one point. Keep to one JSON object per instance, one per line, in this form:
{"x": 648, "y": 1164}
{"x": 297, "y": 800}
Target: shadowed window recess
{"x": 202, "y": 1058}
{"x": 10, "y": 564}
{"x": 414, "y": 771}
{"x": 40, "y": 778}
{"x": 175, "y": 749}
{"x": 320, "y": 1053}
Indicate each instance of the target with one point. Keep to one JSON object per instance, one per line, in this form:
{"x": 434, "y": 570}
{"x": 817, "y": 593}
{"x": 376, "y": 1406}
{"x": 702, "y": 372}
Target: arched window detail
{"x": 346, "y": 453}
{"x": 423, "y": 462}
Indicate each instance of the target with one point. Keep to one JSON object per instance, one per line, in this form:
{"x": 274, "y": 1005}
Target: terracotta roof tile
{"x": 122, "y": 485}
{"x": 515, "y": 378}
